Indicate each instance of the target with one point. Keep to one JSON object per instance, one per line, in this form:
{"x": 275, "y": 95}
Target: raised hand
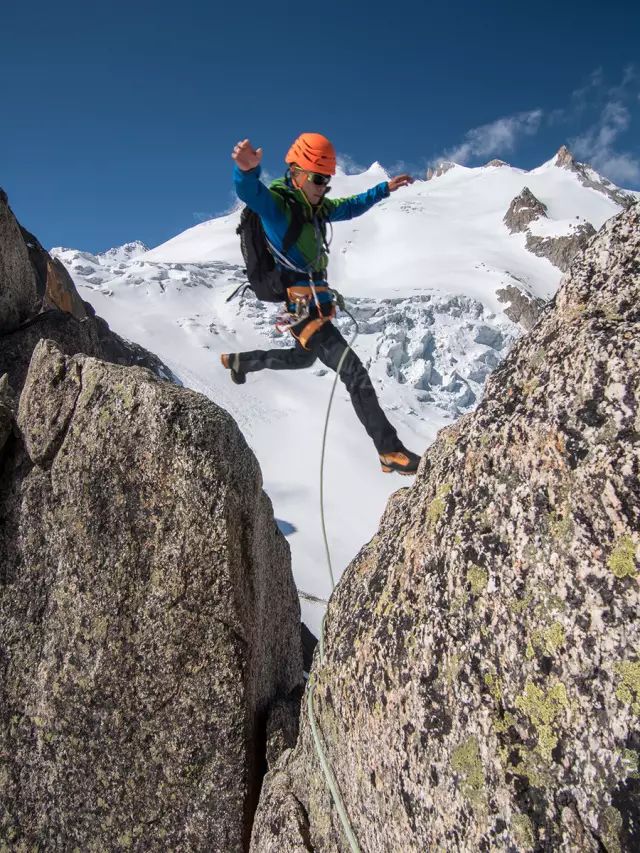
{"x": 245, "y": 156}
{"x": 399, "y": 181}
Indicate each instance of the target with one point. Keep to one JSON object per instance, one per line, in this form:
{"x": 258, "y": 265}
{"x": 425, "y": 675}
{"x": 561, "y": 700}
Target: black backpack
{"x": 265, "y": 279}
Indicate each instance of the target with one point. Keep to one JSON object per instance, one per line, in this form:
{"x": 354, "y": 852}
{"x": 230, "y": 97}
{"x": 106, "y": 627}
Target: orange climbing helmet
{"x": 314, "y": 152}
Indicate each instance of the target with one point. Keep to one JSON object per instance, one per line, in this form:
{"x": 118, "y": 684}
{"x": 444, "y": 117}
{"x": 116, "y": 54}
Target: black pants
{"x": 327, "y": 344}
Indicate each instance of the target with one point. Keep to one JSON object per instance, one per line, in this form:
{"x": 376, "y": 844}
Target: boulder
{"x": 480, "y": 684}
{"x": 149, "y": 619}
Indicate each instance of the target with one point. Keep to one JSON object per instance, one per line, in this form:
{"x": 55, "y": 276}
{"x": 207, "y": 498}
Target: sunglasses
{"x": 315, "y": 177}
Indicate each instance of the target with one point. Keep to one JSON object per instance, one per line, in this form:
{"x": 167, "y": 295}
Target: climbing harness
{"x": 315, "y": 729}
{"x": 286, "y": 320}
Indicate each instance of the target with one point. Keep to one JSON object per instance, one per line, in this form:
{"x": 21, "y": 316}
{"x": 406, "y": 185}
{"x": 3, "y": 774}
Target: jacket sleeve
{"x": 256, "y": 195}
{"x": 356, "y": 205}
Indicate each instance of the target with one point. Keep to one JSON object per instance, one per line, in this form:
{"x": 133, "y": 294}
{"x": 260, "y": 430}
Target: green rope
{"x": 315, "y": 729}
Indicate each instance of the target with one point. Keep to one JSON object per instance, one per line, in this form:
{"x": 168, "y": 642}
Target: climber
{"x": 293, "y": 212}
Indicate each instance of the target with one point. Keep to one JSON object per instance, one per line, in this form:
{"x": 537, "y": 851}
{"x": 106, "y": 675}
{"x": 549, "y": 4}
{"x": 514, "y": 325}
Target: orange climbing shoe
{"x": 231, "y": 360}
{"x": 402, "y": 461}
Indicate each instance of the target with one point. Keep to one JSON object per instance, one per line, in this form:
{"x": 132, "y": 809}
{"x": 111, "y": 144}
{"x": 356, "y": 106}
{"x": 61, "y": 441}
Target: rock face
{"x": 565, "y": 159}
{"x": 561, "y": 250}
{"x": 480, "y": 687}
{"x": 521, "y": 307}
{"x": 7, "y": 412}
{"x": 38, "y": 299}
{"x": 18, "y": 287}
{"x": 148, "y": 616}
{"x": 524, "y": 209}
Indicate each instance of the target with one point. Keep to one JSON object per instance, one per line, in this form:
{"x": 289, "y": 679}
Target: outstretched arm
{"x": 356, "y": 205}
{"x": 249, "y": 187}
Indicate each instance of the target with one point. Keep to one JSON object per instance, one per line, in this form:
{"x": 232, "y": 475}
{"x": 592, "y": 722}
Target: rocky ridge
{"x": 561, "y": 250}
{"x": 590, "y": 178}
{"x": 480, "y": 685}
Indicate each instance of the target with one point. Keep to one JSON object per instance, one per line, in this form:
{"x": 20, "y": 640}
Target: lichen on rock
{"x": 149, "y": 622}
{"x": 622, "y": 561}
{"x": 479, "y": 686}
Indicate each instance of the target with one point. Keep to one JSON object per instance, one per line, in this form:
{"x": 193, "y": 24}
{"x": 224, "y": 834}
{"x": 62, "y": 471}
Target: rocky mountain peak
{"x": 524, "y": 208}
{"x": 497, "y": 162}
{"x": 440, "y": 169}
{"x": 565, "y": 158}
{"x": 124, "y": 252}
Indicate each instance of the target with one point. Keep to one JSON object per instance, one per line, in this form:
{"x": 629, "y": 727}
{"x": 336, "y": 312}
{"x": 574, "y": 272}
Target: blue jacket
{"x": 275, "y": 215}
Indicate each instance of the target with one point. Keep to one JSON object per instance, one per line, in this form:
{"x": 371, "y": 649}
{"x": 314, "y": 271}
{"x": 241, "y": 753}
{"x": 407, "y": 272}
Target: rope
{"x": 315, "y": 730}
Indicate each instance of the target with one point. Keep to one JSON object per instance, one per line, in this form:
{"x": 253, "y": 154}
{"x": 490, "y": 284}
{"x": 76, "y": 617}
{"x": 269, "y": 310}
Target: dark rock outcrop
{"x": 480, "y": 687}
{"x": 561, "y": 250}
{"x": 440, "y": 169}
{"x": 523, "y": 210}
{"x": 38, "y": 299}
{"x": 148, "y": 617}
{"x": 521, "y": 307}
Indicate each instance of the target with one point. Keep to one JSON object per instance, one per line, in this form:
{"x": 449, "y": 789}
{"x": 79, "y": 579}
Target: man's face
{"x": 303, "y": 180}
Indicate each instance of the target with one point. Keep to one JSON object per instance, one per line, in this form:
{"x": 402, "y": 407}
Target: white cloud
{"x": 596, "y": 144}
{"x": 495, "y": 138}
{"x": 348, "y": 165}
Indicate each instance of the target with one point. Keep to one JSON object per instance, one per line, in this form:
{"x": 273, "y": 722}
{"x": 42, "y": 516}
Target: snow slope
{"x": 420, "y": 271}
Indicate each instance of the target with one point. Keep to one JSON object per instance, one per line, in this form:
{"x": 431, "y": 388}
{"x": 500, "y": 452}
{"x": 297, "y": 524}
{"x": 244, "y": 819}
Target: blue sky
{"x": 118, "y": 121}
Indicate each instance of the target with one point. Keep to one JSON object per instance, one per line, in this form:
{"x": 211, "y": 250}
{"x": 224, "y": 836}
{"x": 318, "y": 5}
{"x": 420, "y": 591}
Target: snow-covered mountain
{"x": 429, "y": 274}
